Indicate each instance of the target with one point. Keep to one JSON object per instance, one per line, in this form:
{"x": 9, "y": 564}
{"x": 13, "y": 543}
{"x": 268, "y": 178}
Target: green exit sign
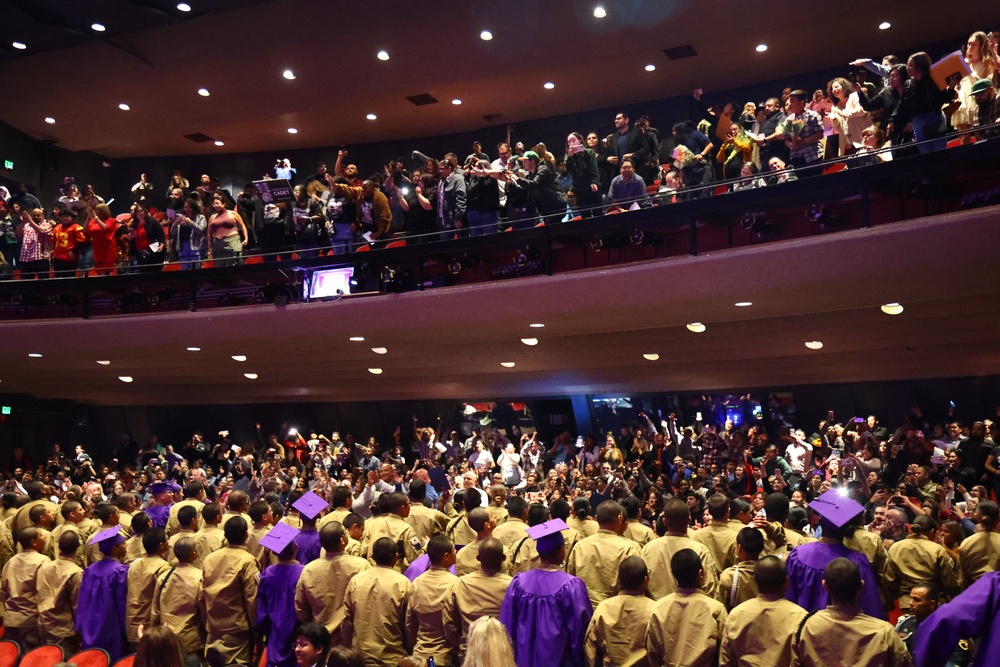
{"x": 5, "y": 410}
{"x": 8, "y": 164}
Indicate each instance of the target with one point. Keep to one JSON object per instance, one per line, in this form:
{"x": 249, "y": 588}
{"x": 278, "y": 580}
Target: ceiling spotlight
{"x": 892, "y": 308}
{"x": 20, "y": 46}
{"x": 652, "y": 356}
{"x": 507, "y": 364}
{"x": 486, "y": 35}
{"x": 35, "y": 355}
{"x": 884, "y": 25}
{"x": 292, "y": 130}
{"x": 549, "y": 85}
{"x": 288, "y": 74}
{"x": 761, "y": 48}
{"x": 456, "y": 101}
{"x": 743, "y": 304}
{"x": 375, "y": 371}
{"x": 50, "y": 120}
{"x": 650, "y": 67}
{"x": 696, "y": 327}
{"x": 194, "y": 349}
{"x": 124, "y": 107}
{"x": 104, "y": 362}
{"x": 357, "y": 339}
{"x": 183, "y": 7}
{"x": 814, "y": 344}
{"x": 239, "y": 357}
{"x": 125, "y": 378}
{"x": 383, "y": 55}
{"x": 219, "y": 142}
{"x": 599, "y": 12}
{"x": 530, "y": 341}
{"x": 537, "y": 325}
{"x": 97, "y": 27}
{"x": 371, "y": 116}
{"x": 204, "y": 92}
{"x": 250, "y": 376}
{"x": 379, "y": 350}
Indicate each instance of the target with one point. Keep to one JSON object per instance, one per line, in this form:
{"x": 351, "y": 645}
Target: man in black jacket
{"x": 540, "y": 184}
{"x": 451, "y": 200}
{"x": 772, "y": 143}
{"x": 631, "y": 142}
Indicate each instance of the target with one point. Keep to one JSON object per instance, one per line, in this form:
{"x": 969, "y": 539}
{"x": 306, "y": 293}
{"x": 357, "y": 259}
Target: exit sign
{"x": 5, "y": 410}
{"x": 8, "y": 164}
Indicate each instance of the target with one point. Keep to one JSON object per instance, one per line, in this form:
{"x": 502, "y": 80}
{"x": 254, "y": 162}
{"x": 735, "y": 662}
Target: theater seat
{"x": 208, "y": 264}
{"x": 651, "y": 189}
{"x": 171, "y": 266}
{"x": 835, "y": 167}
{"x": 43, "y": 656}
{"x": 92, "y": 657}
{"x": 575, "y": 218}
{"x": 127, "y": 661}
{"x": 364, "y": 248}
{"x": 720, "y": 190}
{"x": 968, "y": 139}
{"x": 123, "y": 217}
{"x": 10, "y": 651}
{"x": 263, "y": 658}
{"x": 396, "y": 244}
{"x": 254, "y": 259}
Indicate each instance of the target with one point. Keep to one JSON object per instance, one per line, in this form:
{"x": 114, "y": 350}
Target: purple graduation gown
{"x": 974, "y": 613}
{"x": 421, "y": 565}
{"x": 546, "y": 612}
{"x": 100, "y": 619}
{"x": 805, "y": 577}
{"x": 309, "y": 546}
{"x": 276, "y": 612}
{"x": 158, "y": 515}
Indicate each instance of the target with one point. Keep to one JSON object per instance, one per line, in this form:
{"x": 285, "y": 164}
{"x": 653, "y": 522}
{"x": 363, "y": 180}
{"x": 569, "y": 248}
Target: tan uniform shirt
{"x": 979, "y": 554}
{"x": 499, "y": 514}
{"x": 92, "y": 552}
{"x": 395, "y": 528}
{"x": 657, "y": 555}
{"x": 736, "y": 585}
{"x": 524, "y": 556}
{"x": 58, "y": 587}
{"x": 459, "y": 531}
{"x": 246, "y": 517}
{"x": 916, "y": 560}
{"x": 586, "y": 527}
{"x": 375, "y": 619}
{"x": 721, "y": 541}
{"x": 253, "y": 542}
{"x": 173, "y": 525}
{"x": 319, "y": 595}
{"x": 639, "y": 533}
{"x": 230, "y": 580}
{"x": 871, "y": 546}
{"x": 19, "y": 589}
{"x": 22, "y": 518}
{"x": 467, "y": 560}
{"x": 133, "y": 550}
{"x": 685, "y": 629}
{"x": 338, "y": 514}
{"x": 760, "y": 632}
{"x": 80, "y": 530}
{"x": 207, "y": 541}
{"x": 473, "y": 596}
{"x": 595, "y": 560}
{"x": 426, "y": 522}
{"x": 142, "y": 576}
{"x": 425, "y": 616}
{"x": 353, "y": 547}
{"x": 6, "y": 544}
{"x": 179, "y": 604}
{"x": 511, "y": 532}
{"x": 172, "y": 542}
{"x": 617, "y": 631}
{"x": 842, "y": 635}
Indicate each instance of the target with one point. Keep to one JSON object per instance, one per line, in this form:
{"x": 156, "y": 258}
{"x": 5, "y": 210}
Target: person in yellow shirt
{"x": 476, "y": 594}
{"x": 636, "y": 531}
{"x": 109, "y": 516}
{"x": 425, "y": 620}
{"x": 737, "y": 583}
{"x": 512, "y": 530}
{"x": 660, "y": 551}
{"x": 596, "y": 558}
{"x": 230, "y": 579}
{"x": 341, "y": 503}
{"x": 354, "y": 524}
{"x": 211, "y": 538}
{"x": 498, "y": 497}
{"x": 187, "y": 520}
{"x": 179, "y": 600}
{"x": 426, "y": 521}
{"x": 19, "y": 589}
{"x": 617, "y": 631}
{"x": 194, "y": 496}
{"x": 980, "y": 553}
{"x": 717, "y": 535}
{"x": 375, "y": 604}
{"x": 481, "y": 521}
{"x": 142, "y": 576}
{"x": 58, "y": 587}
{"x": 74, "y": 520}
{"x": 261, "y": 515}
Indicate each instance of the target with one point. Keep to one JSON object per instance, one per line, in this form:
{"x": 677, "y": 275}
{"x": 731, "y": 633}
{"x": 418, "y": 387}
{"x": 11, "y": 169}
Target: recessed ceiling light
{"x": 375, "y": 371}
{"x": 892, "y": 308}
{"x": 125, "y": 378}
{"x": 507, "y": 364}
{"x": 219, "y": 142}
{"x": 383, "y": 55}
{"x": 371, "y": 116}
{"x": 743, "y": 304}
{"x": 530, "y": 341}
{"x": 884, "y": 25}
{"x": 651, "y": 356}
{"x": 456, "y": 101}
{"x": 239, "y": 357}
{"x": 379, "y": 350}
{"x": 104, "y": 362}
{"x": 288, "y": 74}
{"x": 97, "y": 27}
{"x": 600, "y": 12}
{"x": 357, "y": 339}
{"x": 250, "y": 376}
{"x": 486, "y": 35}
{"x": 761, "y": 48}
{"x": 20, "y": 46}
{"x": 194, "y": 349}
{"x": 537, "y": 325}
{"x": 650, "y": 67}
{"x": 292, "y": 130}
{"x": 35, "y": 355}
{"x": 124, "y": 107}
{"x": 548, "y": 85}
{"x": 184, "y": 7}
{"x": 814, "y": 344}
{"x": 50, "y": 120}
{"x": 204, "y": 92}
{"x": 696, "y": 327}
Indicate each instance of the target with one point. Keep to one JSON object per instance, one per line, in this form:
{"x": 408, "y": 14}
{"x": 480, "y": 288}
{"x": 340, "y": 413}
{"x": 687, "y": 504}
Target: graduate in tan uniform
{"x": 636, "y": 531}
{"x": 581, "y": 521}
{"x": 179, "y": 599}
{"x": 481, "y": 521}
{"x": 426, "y": 521}
{"x": 58, "y": 586}
{"x": 477, "y": 594}
{"x": 19, "y": 589}
{"x": 74, "y": 520}
{"x": 842, "y": 634}
{"x": 142, "y": 577}
{"x": 717, "y": 535}
{"x": 128, "y": 506}
{"x": 737, "y": 583}
{"x": 354, "y": 524}
{"x": 425, "y": 621}
{"x": 341, "y": 504}
{"x": 458, "y": 530}
{"x": 260, "y": 514}
{"x": 109, "y": 516}
{"x": 6, "y": 543}
{"x": 237, "y": 504}
{"x": 596, "y": 558}
{"x": 375, "y": 604}
{"x": 498, "y": 498}
{"x": 230, "y": 580}
{"x": 393, "y": 525}
{"x": 919, "y": 559}
{"x": 194, "y": 496}
{"x": 779, "y": 538}
{"x": 617, "y": 631}
{"x": 760, "y": 631}
{"x": 319, "y": 595}
{"x": 512, "y": 530}
{"x": 658, "y": 553}
{"x": 211, "y": 538}
{"x": 560, "y": 509}
{"x": 686, "y": 626}
{"x": 187, "y": 520}
{"x": 134, "y": 550}
{"x": 524, "y": 554}
{"x": 979, "y": 553}
{"x": 37, "y": 496}
{"x": 42, "y": 519}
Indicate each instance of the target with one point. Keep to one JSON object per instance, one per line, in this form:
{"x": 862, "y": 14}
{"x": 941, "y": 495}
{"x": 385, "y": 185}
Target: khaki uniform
{"x": 6, "y": 544}
{"x": 353, "y": 547}
{"x": 736, "y": 525}
{"x": 779, "y": 540}
{"x": 338, "y": 514}
{"x": 246, "y": 517}
{"x": 916, "y": 560}
{"x": 58, "y": 586}
{"x": 617, "y": 631}
{"x": 207, "y": 541}
{"x": 721, "y": 541}
{"x": 253, "y": 543}
{"x": 595, "y": 560}
{"x": 657, "y": 555}
{"x": 842, "y": 635}
{"x": 427, "y": 522}
{"x": 425, "y": 616}
{"x": 179, "y": 604}
{"x": 230, "y": 580}
{"x": 125, "y": 521}
{"x": 639, "y": 533}
{"x": 586, "y": 527}
{"x": 473, "y": 596}
{"x": 978, "y": 554}
{"x": 395, "y": 528}
{"x": 47, "y": 549}
{"x": 458, "y": 531}
{"x": 319, "y": 595}
{"x": 142, "y": 577}
{"x": 133, "y": 550}
{"x": 22, "y": 518}
{"x": 172, "y": 542}
{"x": 92, "y": 552}
{"x": 499, "y": 514}
{"x": 511, "y": 532}
{"x": 80, "y": 530}
{"x": 467, "y": 559}
{"x": 870, "y": 545}
{"x": 19, "y": 597}
{"x": 760, "y": 632}
{"x": 173, "y": 525}
{"x": 685, "y": 629}
{"x": 293, "y": 520}
{"x": 736, "y": 585}
{"x": 524, "y": 556}
{"x": 375, "y": 619}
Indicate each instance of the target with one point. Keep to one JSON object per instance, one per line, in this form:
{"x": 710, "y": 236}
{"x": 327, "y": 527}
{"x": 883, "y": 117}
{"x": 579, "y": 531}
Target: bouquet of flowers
{"x": 792, "y": 128}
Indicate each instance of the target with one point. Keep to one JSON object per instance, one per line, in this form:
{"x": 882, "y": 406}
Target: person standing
{"x": 36, "y": 244}
{"x": 142, "y": 577}
{"x": 19, "y": 589}
{"x": 596, "y": 559}
{"x": 58, "y": 589}
{"x": 230, "y": 580}
{"x": 660, "y": 551}
{"x": 375, "y": 605}
{"x": 617, "y": 631}
{"x": 103, "y": 596}
{"x": 276, "y": 617}
{"x": 179, "y": 600}
{"x": 476, "y": 594}
{"x": 425, "y": 613}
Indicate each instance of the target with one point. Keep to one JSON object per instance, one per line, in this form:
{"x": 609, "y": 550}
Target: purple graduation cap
{"x": 310, "y": 505}
{"x": 279, "y": 537}
{"x": 108, "y": 539}
{"x": 156, "y": 488}
{"x": 835, "y": 508}
{"x": 548, "y": 536}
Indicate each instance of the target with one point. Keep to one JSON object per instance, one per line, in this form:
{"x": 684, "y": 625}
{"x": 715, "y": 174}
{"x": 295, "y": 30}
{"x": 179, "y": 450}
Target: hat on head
{"x": 530, "y": 155}
{"x": 157, "y": 488}
{"x": 548, "y": 536}
{"x": 310, "y": 505}
{"x": 278, "y": 537}
{"x": 106, "y": 540}
{"x": 835, "y": 508}
{"x": 981, "y": 86}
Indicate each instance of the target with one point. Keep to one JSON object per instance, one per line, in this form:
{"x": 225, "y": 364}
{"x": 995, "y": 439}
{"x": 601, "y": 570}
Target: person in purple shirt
{"x": 103, "y": 591}
{"x": 973, "y": 613}
{"x": 276, "y": 606}
{"x": 159, "y": 510}
{"x": 807, "y": 562}
{"x": 547, "y": 611}
{"x": 627, "y": 188}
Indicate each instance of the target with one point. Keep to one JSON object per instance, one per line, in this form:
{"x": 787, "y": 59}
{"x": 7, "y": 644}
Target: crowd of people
{"x": 736, "y": 539}
{"x": 865, "y": 117}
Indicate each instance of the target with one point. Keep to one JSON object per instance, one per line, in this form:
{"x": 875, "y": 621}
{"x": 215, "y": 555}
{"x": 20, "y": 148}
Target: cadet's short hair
{"x": 26, "y": 536}
{"x": 104, "y": 511}
{"x": 352, "y": 520}
{"x": 68, "y": 508}
{"x": 473, "y": 499}
{"x": 718, "y": 505}
{"x": 750, "y": 540}
{"x": 384, "y": 551}
{"x": 211, "y": 512}
{"x": 843, "y": 580}
{"x": 152, "y": 539}
{"x": 478, "y": 518}
{"x": 331, "y": 535}
{"x": 235, "y": 530}
{"x": 609, "y": 512}
{"x": 685, "y": 565}
{"x": 184, "y": 549}
{"x": 770, "y": 575}
{"x": 631, "y": 573}
{"x": 69, "y": 542}
{"x": 258, "y": 510}
{"x": 187, "y": 515}
{"x": 439, "y": 547}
